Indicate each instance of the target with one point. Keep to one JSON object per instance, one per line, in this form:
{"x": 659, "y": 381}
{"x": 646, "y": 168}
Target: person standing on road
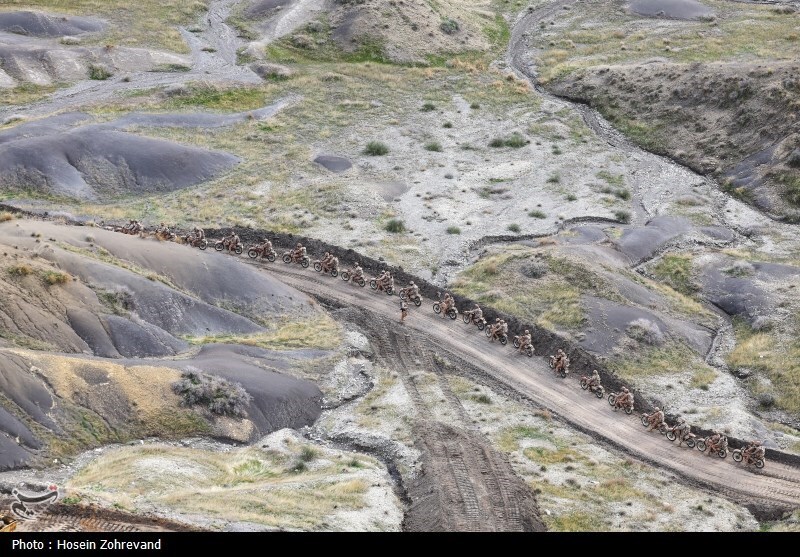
{"x": 403, "y": 311}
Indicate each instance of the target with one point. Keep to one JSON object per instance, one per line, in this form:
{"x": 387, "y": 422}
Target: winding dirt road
{"x": 777, "y": 486}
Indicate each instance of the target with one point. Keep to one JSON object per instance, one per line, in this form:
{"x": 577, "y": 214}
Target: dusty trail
{"x": 776, "y": 486}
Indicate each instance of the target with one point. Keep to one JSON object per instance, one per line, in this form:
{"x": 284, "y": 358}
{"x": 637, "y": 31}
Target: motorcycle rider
{"x": 753, "y": 452}
{"x": 298, "y": 253}
{"x": 266, "y": 246}
{"x": 412, "y": 291}
{"x": 681, "y": 429}
{"x": 199, "y": 234}
{"x": 447, "y": 303}
{"x": 625, "y": 398}
{"x": 358, "y": 272}
{"x": 561, "y": 361}
{"x": 326, "y": 261}
{"x": 525, "y": 341}
{"x": 716, "y": 442}
{"x": 594, "y": 380}
{"x": 494, "y": 328}
{"x": 476, "y": 313}
{"x": 234, "y": 241}
{"x": 655, "y": 419}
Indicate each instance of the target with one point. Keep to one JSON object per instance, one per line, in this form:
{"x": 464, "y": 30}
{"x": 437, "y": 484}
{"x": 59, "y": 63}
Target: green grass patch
{"x": 220, "y": 98}
{"x": 537, "y": 214}
{"x": 675, "y": 270}
{"x": 395, "y": 226}
{"x": 376, "y": 149}
{"x": 53, "y": 278}
{"x": 428, "y": 107}
{"x": 99, "y": 73}
{"x": 453, "y": 230}
{"x": 321, "y": 332}
{"x": 20, "y": 270}
{"x": 508, "y": 439}
{"x": 513, "y": 227}
{"x": 668, "y": 359}
{"x": 433, "y": 146}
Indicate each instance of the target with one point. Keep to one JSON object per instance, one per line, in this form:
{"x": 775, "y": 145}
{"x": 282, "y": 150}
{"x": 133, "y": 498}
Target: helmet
{"x": 657, "y": 409}
{"x": 411, "y": 283}
{"x": 527, "y": 332}
{"x": 624, "y": 389}
{"x": 497, "y": 320}
{"x": 757, "y": 443}
{"x": 298, "y": 244}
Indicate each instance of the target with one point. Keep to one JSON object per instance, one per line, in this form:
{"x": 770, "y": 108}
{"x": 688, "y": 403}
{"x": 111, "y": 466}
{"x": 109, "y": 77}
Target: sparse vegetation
{"x": 453, "y": 230}
{"x": 6, "y": 216}
{"x": 99, "y": 73}
{"x": 320, "y": 332}
{"x": 55, "y": 277}
{"x": 447, "y": 125}
{"x": 449, "y": 26}
{"x": 554, "y": 178}
{"x": 376, "y": 149}
{"x": 218, "y": 395}
{"x": 20, "y": 270}
{"x": 513, "y": 227}
{"x": 514, "y": 141}
{"x": 676, "y": 271}
{"x": 395, "y": 226}
{"x": 645, "y": 331}
{"x": 623, "y": 216}
{"x": 433, "y": 146}
{"x": 428, "y": 107}
{"x": 537, "y": 214}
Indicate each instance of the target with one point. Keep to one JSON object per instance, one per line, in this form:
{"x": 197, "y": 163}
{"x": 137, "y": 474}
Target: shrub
{"x": 376, "y": 149}
{"x": 557, "y": 150}
{"x": 99, "y": 73}
{"x": 447, "y": 125}
{"x": 740, "y": 268}
{"x": 554, "y": 178}
{"x": 483, "y": 399}
{"x": 395, "y": 226}
{"x": 535, "y": 269}
{"x": 514, "y": 228}
{"x": 56, "y": 277}
{"x": 308, "y": 453}
{"x": 515, "y": 141}
{"x": 571, "y": 197}
{"x": 428, "y": 106}
{"x": 645, "y": 331}
{"x": 623, "y": 194}
{"x": 537, "y": 214}
{"x": 6, "y": 216}
{"x": 21, "y": 270}
{"x": 453, "y": 230}
{"x": 449, "y": 26}
{"x": 794, "y": 159}
{"x": 219, "y": 395}
{"x": 433, "y": 146}
{"x": 623, "y": 216}
{"x": 474, "y": 106}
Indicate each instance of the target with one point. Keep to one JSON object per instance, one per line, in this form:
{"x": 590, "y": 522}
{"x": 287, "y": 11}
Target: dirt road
{"x": 777, "y": 486}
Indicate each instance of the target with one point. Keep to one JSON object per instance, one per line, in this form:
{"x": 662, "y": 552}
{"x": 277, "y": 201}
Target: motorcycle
{"x": 305, "y": 261}
{"x": 563, "y": 370}
{"x": 452, "y": 312}
{"x": 612, "y": 400}
{"x": 598, "y": 390}
{"x": 690, "y": 438}
{"x": 721, "y": 452}
{"x": 375, "y": 286}
{"x": 347, "y": 273}
{"x": 502, "y": 338}
{"x": 192, "y": 241}
{"x": 528, "y": 349}
{"x": 318, "y": 268}
{"x": 468, "y": 318}
{"x": 662, "y": 427}
{"x": 165, "y": 235}
{"x": 738, "y": 456}
{"x": 259, "y": 251}
{"x": 404, "y": 295}
{"x": 220, "y": 245}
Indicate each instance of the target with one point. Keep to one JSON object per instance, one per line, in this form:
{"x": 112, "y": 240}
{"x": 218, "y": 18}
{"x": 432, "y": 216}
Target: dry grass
{"x": 321, "y": 332}
{"x": 264, "y": 487}
{"x": 146, "y": 23}
{"x": 779, "y": 360}
{"x": 668, "y": 359}
{"x": 7, "y": 216}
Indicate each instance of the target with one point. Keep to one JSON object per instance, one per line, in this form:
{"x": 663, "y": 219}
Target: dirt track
{"x": 777, "y": 486}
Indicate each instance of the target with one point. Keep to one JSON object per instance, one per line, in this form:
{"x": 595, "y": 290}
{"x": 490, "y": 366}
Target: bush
{"x": 453, "y": 230}
{"x": 6, "y": 216}
{"x": 740, "y": 268}
{"x": 557, "y": 150}
{"x": 308, "y": 453}
{"x": 794, "y": 159}
{"x": 376, "y": 149}
{"x": 99, "y": 73}
{"x": 56, "y": 277}
{"x": 515, "y": 141}
{"x": 645, "y": 331}
{"x": 554, "y": 178}
{"x": 447, "y": 125}
{"x": 21, "y": 270}
{"x": 514, "y": 228}
{"x": 433, "y": 146}
{"x": 449, "y": 26}
{"x": 571, "y": 197}
{"x": 535, "y": 269}
{"x": 623, "y": 216}
{"x": 623, "y": 194}
{"x": 219, "y": 395}
{"x": 474, "y": 106}
{"x": 395, "y": 226}
{"x": 483, "y": 399}
{"x": 428, "y": 106}
{"x": 537, "y": 214}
